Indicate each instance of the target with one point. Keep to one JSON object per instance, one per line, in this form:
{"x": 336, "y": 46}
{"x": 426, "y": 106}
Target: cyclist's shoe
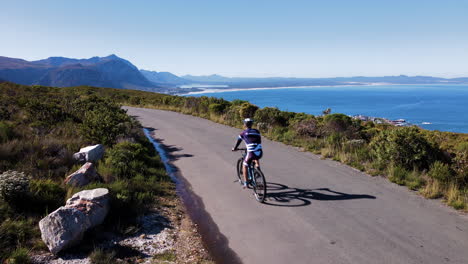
{"x": 245, "y": 185}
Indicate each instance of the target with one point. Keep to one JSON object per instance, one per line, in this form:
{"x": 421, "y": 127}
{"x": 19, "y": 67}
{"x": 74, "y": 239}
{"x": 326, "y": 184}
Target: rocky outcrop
{"x": 85, "y": 175}
{"x": 90, "y": 153}
{"x": 66, "y": 226}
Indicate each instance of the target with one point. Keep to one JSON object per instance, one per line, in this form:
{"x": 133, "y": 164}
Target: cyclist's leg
{"x": 247, "y": 160}
{"x": 257, "y": 156}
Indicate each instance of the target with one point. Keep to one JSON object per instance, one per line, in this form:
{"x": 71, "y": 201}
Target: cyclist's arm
{"x": 239, "y": 140}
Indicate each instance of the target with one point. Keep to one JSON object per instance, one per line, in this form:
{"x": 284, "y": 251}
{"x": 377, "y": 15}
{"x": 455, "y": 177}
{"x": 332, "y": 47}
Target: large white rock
{"x": 65, "y": 226}
{"x": 89, "y": 153}
{"x": 94, "y": 203}
{"x": 86, "y": 174}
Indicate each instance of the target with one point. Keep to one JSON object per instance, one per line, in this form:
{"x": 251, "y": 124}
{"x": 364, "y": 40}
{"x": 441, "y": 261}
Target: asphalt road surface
{"x": 317, "y": 211}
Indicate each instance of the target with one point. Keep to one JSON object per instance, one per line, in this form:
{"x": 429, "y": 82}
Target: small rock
{"x": 89, "y": 153}
{"x": 86, "y": 174}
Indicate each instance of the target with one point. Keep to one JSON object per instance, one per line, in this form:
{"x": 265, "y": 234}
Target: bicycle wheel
{"x": 239, "y": 170}
{"x": 259, "y": 185}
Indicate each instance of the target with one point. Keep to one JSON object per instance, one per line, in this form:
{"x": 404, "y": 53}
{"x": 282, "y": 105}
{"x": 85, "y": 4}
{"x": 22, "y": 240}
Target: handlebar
{"x": 240, "y": 149}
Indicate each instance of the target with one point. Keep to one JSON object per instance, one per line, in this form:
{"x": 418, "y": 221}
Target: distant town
{"x": 380, "y": 120}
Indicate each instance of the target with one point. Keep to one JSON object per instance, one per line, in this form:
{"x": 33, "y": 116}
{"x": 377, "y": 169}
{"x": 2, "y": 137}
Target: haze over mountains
{"x": 113, "y": 71}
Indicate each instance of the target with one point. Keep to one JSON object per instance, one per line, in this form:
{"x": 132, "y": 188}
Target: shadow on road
{"x": 170, "y": 151}
{"x": 282, "y": 195}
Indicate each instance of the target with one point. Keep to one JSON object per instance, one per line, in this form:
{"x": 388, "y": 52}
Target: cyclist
{"x": 253, "y": 142}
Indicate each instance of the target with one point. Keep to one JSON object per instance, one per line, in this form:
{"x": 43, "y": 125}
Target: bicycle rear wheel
{"x": 259, "y": 185}
{"x": 239, "y": 168}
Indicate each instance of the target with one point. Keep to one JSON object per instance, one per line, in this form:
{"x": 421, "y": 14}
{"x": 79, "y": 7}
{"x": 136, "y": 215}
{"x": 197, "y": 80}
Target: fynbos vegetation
{"x": 40, "y": 129}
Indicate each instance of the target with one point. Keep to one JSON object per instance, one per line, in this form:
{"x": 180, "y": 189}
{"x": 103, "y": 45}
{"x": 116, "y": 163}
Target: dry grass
{"x": 456, "y": 198}
{"x": 432, "y": 190}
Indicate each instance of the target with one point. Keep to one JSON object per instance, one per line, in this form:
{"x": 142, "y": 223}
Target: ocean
{"x": 433, "y": 107}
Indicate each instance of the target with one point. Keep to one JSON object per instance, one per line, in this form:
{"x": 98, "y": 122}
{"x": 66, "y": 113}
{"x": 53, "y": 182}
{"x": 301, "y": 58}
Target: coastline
{"x": 220, "y": 90}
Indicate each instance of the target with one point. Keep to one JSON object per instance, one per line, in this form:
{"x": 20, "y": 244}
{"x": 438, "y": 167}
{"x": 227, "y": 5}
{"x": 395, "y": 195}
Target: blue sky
{"x": 247, "y": 38}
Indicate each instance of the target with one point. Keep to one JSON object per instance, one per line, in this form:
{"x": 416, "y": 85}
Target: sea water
{"x": 434, "y": 107}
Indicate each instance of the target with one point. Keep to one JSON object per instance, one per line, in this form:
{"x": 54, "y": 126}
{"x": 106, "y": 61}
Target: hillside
{"x": 110, "y": 71}
{"x": 164, "y": 78}
{"x": 40, "y": 130}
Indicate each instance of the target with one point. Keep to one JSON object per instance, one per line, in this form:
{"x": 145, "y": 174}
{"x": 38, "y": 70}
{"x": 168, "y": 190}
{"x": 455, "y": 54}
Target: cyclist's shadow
{"x": 282, "y": 195}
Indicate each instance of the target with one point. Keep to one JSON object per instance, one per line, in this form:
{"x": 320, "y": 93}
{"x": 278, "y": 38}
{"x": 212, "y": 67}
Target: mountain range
{"x": 113, "y": 71}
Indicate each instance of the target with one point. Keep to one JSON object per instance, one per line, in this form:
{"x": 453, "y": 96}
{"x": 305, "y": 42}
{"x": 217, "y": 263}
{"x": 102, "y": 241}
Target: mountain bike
{"x": 255, "y": 177}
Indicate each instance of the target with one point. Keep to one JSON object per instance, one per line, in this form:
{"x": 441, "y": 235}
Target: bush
{"x": 217, "y": 108}
{"x": 46, "y": 196}
{"x": 271, "y": 116}
{"x": 336, "y": 123}
{"x": 104, "y": 123}
{"x": 247, "y": 110}
{"x": 14, "y": 186}
{"x": 19, "y": 256}
{"x": 127, "y": 160}
{"x": 460, "y": 164}
{"x": 403, "y": 147}
{"x": 397, "y": 174}
{"x": 6, "y": 132}
{"x": 440, "y": 171}
{"x": 15, "y": 233}
{"x": 307, "y": 128}
{"x": 130, "y": 198}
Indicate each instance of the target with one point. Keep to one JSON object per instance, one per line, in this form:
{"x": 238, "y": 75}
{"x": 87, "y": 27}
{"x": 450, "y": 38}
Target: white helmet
{"x": 248, "y": 122}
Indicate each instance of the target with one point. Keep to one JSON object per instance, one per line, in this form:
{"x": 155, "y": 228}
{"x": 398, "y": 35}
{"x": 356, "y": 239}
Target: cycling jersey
{"x": 252, "y": 139}
{"x": 253, "y": 142}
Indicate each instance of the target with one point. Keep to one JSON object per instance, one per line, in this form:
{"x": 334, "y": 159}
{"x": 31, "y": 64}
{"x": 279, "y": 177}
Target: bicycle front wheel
{"x": 239, "y": 168}
{"x": 259, "y": 185}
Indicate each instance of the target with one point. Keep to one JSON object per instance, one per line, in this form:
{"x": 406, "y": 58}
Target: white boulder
{"x": 86, "y": 174}
{"x": 89, "y": 153}
{"x": 66, "y": 226}
{"x": 94, "y": 203}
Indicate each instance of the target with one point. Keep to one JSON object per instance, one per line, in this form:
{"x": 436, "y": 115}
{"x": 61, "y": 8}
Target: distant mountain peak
{"x": 112, "y": 56}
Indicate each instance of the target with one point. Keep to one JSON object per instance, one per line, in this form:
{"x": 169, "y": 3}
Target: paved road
{"x": 318, "y": 211}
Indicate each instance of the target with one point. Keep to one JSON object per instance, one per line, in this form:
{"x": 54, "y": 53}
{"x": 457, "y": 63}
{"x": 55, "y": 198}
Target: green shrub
{"x": 397, "y": 174}
{"x": 460, "y": 164}
{"x": 14, "y": 233}
{"x": 104, "y": 123}
{"x": 19, "y": 256}
{"x": 247, "y": 110}
{"x": 414, "y": 181}
{"x": 6, "y": 132}
{"x": 14, "y": 186}
{"x": 403, "y": 147}
{"x": 46, "y": 196}
{"x": 127, "y": 160}
{"x": 335, "y": 140}
{"x": 440, "y": 171}
{"x": 271, "y": 116}
{"x": 217, "y": 108}
{"x": 130, "y": 198}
